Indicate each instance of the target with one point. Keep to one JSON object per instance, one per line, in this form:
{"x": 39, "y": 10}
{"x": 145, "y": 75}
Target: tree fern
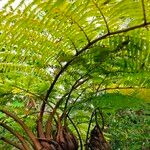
{"x": 63, "y": 53}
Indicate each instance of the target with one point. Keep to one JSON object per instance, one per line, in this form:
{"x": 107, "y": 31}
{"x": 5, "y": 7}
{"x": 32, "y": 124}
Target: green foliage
{"x": 114, "y": 101}
{"x": 129, "y": 128}
{"x": 104, "y": 43}
{"x": 126, "y": 119}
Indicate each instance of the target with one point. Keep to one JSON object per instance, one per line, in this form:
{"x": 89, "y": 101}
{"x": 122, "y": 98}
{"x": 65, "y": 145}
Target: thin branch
{"x": 50, "y": 118}
{"x": 16, "y": 134}
{"x": 66, "y": 104}
{"x": 25, "y": 127}
{"x": 101, "y": 84}
{"x": 12, "y": 143}
{"x": 144, "y": 12}
{"x": 102, "y": 117}
{"x": 90, "y": 122}
{"x": 80, "y": 139}
{"x": 73, "y": 45}
{"x": 82, "y": 30}
{"x": 88, "y": 131}
{"x": 110, "y": 34}
{"x": 74, "y": 102}
{"x": 108, "y": 31}
{"x": 103, "y": 121}
{"x": 49, "y": 121}
{"x": 77, "y": 84}
{"x": 40, "y": 118}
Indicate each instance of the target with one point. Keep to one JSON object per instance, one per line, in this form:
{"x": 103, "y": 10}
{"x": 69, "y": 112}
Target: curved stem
{"x": 80, "y": 27}
{"x": 50, "y": 118}
{"x": 74, "y": 103}
{"x": 33, "y": 138}
{"x": 66, "y": 104}
{"x": 80, "y": 139}
{"x": 102, "y": 16}
{"x": 144, "y": 12}
{"x": 103, "y": 121}
{"x": 12, "y": 143}
{"x": 88, "y": 131}
{"x": 16, "y": 134}
{"x": 102, "y": 117}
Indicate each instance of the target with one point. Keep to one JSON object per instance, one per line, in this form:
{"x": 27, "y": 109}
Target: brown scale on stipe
{"x": 96, "y": 141}
{"x": 65, "y": 138}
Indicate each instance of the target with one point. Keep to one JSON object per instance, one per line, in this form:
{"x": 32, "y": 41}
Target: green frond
{"x": 65, "y": 49}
